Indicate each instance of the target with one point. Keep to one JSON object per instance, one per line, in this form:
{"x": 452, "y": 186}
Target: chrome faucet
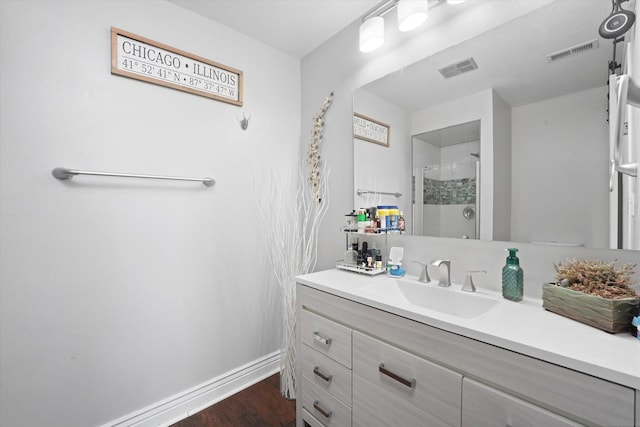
{"x": 445, "y": 273}
{"x": 469, "y": 286}
{"x": 424, "y": 274}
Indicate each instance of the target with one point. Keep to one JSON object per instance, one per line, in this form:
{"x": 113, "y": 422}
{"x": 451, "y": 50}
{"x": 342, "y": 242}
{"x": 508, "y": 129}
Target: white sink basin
{"x": 451, "y": 300}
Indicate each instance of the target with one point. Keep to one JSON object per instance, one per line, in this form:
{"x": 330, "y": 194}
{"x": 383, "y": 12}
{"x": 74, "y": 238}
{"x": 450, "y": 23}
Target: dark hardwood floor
{"x": 260, "y": 405}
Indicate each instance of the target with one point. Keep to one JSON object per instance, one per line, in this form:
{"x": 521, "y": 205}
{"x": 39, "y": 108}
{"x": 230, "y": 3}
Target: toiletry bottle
{"x": 351, "y": 255}
{"x": 365, "y": 253}
{"x": 401, "y": 223}
{"x": 362, "y": 218}
{"x": 512, "y": 277}
{"x": 369, "y": 222}
{"x": 351, "y": 221}
{"x": 376, "y": 224}
{"x": 392, "y": 219}
{"x": 382, "y": 214}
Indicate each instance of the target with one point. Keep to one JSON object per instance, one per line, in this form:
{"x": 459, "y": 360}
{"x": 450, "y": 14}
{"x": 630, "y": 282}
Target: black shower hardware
{"x": 618, "y": 22}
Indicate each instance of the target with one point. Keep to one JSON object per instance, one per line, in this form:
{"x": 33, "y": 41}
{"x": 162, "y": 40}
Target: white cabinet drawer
{"x": 325, "y": 408}
{"x": 327, "y": 336}
{"x": 393, "y": 387}
{"x": 309, "y": 420}
{"x": 483, "y": 406}
{"x": 327, "y": 374}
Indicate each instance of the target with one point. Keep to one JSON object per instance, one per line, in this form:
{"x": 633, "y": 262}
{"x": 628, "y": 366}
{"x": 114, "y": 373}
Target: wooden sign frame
{"x": 368, "y": 129}
{"x": 143, "y": 59}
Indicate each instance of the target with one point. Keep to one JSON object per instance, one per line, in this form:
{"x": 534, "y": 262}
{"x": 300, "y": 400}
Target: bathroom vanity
{"x": 382, "y": 351}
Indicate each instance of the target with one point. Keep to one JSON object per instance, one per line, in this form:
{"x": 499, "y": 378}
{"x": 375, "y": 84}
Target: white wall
{"x": 117, "y": 294}
{"x": 564, "y": 134}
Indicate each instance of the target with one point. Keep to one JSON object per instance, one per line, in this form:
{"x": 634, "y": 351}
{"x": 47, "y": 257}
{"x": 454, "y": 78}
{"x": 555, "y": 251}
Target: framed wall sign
{"x": 367, "y": 129}
{"x": 147, "y": 60}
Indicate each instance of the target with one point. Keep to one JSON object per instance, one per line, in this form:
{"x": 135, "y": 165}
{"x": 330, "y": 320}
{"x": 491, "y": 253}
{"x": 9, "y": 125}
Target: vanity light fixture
{"x": 411, "y": 14}
{"x": 371, "y": 34}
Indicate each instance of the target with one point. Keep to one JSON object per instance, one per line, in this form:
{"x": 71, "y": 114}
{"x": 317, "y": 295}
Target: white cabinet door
{"x": 396, "y": 388}
{"x": 483, "y": 406}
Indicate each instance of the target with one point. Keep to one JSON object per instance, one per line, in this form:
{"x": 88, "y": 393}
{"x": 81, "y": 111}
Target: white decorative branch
{"x": 313, "y": 153}
{"x": 291, "y": 223}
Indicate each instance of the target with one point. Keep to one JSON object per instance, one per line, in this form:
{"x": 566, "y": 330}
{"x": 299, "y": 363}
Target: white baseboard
{"x": 189, "y": 402}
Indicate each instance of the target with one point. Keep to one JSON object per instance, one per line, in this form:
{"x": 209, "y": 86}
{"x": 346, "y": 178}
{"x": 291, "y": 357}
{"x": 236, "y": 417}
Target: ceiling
{"x": 512, "y": 60}
{"x": 295, "y": 27}
{"x": 452, "y": 135}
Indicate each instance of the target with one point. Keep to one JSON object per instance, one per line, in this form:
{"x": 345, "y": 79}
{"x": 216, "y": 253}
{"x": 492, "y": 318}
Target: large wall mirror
{"x": 502, "y": 137}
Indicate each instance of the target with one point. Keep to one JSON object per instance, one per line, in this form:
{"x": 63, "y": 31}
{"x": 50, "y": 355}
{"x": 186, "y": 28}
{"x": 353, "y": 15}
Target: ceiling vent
{"x": 458, "y": 68}
{"x": 571, "y": 51}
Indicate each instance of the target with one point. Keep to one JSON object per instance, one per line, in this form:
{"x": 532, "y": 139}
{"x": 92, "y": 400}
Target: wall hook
{"x": 244, "y": 121}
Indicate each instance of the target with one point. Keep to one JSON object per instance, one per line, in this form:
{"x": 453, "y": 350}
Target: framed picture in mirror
{"x": 370, "y": 130}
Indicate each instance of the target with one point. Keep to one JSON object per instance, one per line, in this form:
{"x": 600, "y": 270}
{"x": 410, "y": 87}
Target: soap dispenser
{"x": 512, "y": 277}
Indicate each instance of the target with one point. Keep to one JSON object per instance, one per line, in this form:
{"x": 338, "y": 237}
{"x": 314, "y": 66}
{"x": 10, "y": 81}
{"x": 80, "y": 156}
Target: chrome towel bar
{"x": 64, "y": 173}
{"x": 361, "y": 192}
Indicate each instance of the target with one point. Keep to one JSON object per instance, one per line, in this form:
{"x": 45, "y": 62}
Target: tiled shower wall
{"x": 449, "y": 192}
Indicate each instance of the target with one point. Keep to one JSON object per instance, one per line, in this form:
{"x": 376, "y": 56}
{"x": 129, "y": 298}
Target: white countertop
{"x": 524, "y": 327}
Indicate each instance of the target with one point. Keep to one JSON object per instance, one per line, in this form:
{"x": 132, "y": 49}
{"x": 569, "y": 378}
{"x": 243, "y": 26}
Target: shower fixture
{"x": 618, "y": 22}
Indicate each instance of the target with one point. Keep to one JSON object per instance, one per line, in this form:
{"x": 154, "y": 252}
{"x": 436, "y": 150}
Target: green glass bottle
{"x": 512, "y": 277}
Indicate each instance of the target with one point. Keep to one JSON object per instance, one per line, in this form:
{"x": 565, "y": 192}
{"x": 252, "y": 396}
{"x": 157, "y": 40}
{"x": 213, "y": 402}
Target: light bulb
{"x": 371, "y": 34}
{"x": 412, "y": 13}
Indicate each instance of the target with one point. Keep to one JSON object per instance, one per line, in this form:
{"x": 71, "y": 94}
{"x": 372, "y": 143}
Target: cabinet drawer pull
{"x": 325, "y": 377}
{"x": 324, "y": 412}
{"x": 383, "y": 370}
{"x": 322, "y": 340}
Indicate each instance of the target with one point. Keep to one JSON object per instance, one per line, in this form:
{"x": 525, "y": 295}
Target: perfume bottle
{"x": 351, "y": 255}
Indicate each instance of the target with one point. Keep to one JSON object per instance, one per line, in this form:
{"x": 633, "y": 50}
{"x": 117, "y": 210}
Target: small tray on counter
{"x": 357, "y": 269}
